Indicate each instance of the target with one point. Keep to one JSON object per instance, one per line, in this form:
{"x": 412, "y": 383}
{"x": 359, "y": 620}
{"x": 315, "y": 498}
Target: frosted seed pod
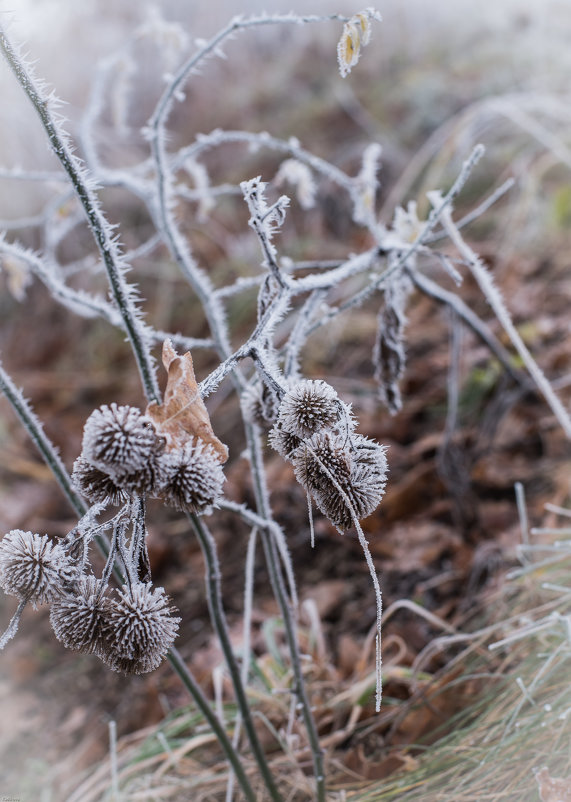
{"x": 78, "y": 618}
{"x": 308, "y": 407}
{"x": 33, "y": 567}
{"x": 139, "y": 629}
{"x": 260, "y": 405}
{"x": 119, "y": 440}
{"x": 148, "y": 480}
{"x": 356, "y": 34}
{"x": 322, "y": 462}
{"x": 283, "y": 442}
{"x": 193, "y": 477}
{"x": 96, "y": 485}
{"x": 364, "y": 490}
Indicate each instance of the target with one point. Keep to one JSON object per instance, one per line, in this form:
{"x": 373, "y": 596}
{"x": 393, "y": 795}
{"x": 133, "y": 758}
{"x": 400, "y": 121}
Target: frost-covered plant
{"x": 169, "y": 450}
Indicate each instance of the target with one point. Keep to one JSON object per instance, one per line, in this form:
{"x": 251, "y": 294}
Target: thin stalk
{"x": 42, "y": 442}
{"x": 492, "y": 294}
{"x": 279, "y": 590}
{"x": 102, "y": 231}
{"x": 214, "y": 593}
{"x": 201, "y": 702}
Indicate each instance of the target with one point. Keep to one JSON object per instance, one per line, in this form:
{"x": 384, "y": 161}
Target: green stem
{"x": 213, "y": 587}
{"x": 194, "y": 689}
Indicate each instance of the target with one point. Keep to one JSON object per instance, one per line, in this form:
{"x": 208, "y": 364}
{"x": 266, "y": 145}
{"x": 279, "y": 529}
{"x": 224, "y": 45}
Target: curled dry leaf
{"x": 183, "y": 415}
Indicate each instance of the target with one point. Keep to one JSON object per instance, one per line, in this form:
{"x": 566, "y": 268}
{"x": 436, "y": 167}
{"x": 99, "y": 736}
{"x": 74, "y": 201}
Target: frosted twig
{"x": 494, "y": 298}
{"x": 18, "y": 174}
{"x": 297, "y": 336}
{"x": 264, "y": 220}
{"x": 481, "y": 209}
{"x": 271, "y": 526}
{"x": 106, "y": 240}
{"x": 471, "y": 319}
{"x": 214, "y": 594}
{"x": 246, "y": 641}
{"x": 86, "y": 305}
{"x": 289, "y": 147}
{"x": 12, "y": 627}
{"x": 353, "y": 266}
{"x": 241, "y": 284}
{"x": 401, "y": 259}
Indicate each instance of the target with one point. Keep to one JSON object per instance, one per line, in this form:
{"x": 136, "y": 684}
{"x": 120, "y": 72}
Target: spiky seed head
{"x": 96, "y": 485}
{"x": 260, "y": 405}
{"x": 139, "y": 629}
{"x": 148, "y": 480}
{"x": 194, "y": 477}
{"x": 283, "y": 442}
{"x": 309, "y": 406}
{"x": 33, "y": 567}
{"x": 78, "y": 617}
{"x": 321, "y": 462}
{"x": 364, "y": 490}
{"x": 119, "y": 440}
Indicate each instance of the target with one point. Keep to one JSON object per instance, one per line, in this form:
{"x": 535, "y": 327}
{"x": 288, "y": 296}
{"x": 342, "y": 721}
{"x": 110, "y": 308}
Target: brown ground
{"x": 442, "y": 537}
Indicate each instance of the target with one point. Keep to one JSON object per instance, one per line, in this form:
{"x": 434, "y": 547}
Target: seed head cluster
{"x": 131, "y": 631}
{"x": 124, "y": 455}
{"x": 344, "y": 472}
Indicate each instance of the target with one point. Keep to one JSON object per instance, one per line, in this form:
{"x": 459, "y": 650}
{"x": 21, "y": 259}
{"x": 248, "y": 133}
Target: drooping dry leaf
{"x": 182, "y": 414}
{"x": 389, "y": 353}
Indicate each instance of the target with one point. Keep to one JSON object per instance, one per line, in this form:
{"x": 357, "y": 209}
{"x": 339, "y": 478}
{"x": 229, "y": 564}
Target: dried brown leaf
{"x": 183, "y": 415}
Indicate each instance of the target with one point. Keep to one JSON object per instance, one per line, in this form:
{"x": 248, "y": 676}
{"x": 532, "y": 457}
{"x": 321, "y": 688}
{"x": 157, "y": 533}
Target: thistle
{"x": 308, "y": 407}
{"x": 96, "y": 485}
{"x": 77, "y": 618}
{"x": 119, "y": 440}
{"x": 33, "y": 568}
{"x": 139, "y": 629}
{"x": 193, "y": 477}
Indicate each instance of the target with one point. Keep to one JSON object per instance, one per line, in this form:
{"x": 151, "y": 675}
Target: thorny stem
{"x": 213, "y": 586}
{"x": 100, "y": 228}
{"x": 278, "y": 587}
